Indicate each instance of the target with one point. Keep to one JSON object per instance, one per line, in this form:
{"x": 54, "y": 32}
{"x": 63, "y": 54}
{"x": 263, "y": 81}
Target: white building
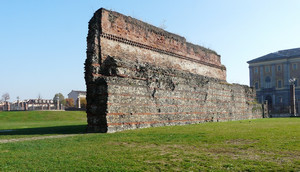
{"x": 30, "y": 104}
{"x": 40, "y": 104}
{"x": 1, "y": 105}
{"x": 76, "y": 95}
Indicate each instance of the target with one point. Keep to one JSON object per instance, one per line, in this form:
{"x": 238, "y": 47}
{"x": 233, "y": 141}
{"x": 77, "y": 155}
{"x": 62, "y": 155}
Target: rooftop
{"x": 78, "y": 91}
{"x": 282, "y": 54}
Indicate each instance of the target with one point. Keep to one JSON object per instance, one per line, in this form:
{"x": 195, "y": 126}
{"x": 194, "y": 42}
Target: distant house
{"x": 41, "y": 104}
{"x": 270, "y": 75}
{"x": 34, "y": 104}
{"x": 5, "y": 106}
{"x": 76, "y": 95}
{"x": 1, "y": 106}
{"x": 30, "y": 104}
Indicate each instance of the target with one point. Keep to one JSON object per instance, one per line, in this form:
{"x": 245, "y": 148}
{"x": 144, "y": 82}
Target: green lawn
{"x": 248, "y": 145}
{"x": 36, "y": 123}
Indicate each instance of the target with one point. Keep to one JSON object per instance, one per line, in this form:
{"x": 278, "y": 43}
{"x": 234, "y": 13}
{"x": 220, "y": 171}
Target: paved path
{"x": 37, "y": 138}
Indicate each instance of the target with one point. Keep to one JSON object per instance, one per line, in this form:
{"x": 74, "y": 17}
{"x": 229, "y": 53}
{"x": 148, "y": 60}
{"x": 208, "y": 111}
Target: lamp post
{"x": 292, "y": 95}
{"x": 57, "y": 102}
{"x": 18, "y": 102}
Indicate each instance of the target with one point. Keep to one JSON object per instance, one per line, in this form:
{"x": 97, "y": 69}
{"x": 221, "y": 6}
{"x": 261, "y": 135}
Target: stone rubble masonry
{"x": 139, "y": 76}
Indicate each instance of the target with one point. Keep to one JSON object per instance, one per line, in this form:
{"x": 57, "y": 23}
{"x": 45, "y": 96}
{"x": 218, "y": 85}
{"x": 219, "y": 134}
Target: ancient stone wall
{"x": 141, "y": 76}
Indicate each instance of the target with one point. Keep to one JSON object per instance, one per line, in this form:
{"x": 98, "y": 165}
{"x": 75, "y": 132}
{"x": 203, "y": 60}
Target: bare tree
{"x": 5, "y": 97}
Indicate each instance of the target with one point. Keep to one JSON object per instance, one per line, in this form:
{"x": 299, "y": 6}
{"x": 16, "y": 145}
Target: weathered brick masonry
{"x": 138, "y": 76}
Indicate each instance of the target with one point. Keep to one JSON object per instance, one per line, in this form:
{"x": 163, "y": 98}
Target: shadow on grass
{"x": 69, "y": 129}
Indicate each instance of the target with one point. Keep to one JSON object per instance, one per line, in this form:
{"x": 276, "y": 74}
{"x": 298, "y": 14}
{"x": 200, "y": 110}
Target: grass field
{"x": 36, "y": 123}
{"x": 248, "y": 145}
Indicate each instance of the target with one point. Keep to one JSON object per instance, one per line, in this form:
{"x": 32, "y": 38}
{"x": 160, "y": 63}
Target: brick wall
{"x": 141, "y": 76}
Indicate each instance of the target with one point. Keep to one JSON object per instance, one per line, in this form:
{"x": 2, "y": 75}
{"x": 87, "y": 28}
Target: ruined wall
{"x": 140, "y": 76}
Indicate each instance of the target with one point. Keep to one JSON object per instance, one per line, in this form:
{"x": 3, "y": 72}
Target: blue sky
{"x": 43, "y": 42}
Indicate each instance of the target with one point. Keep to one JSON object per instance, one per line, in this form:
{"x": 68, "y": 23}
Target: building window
{"x": 267, "y": 69}
{"x": 279, "y": 84}
{"x": 280, "y": 99}
{"x": 278, "y": 68}
{"x": 256, "y": 85}
{"x": 255, "y": 70}
{"x": 268, "y": 82}
{"x": 296, "y": 82}
{"x": 294, "y": 66}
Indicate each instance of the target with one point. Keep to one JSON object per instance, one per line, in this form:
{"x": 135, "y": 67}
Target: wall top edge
{"x": 150, "y": 28}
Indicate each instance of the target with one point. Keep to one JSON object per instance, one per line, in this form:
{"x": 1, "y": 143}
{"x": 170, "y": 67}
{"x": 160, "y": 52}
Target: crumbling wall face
{"x": 140, "y": 76}
{"x": 125, "y": 37}
{"x": 151, "y": 96}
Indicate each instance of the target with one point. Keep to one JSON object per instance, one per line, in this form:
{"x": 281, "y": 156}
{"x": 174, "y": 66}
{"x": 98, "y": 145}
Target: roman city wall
{"x": 139, "y": 76}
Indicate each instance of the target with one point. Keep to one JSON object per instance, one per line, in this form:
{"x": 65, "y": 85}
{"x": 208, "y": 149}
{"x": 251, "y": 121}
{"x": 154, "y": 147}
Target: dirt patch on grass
{"x": 36, "y": 138}
{"x": 177, "y": 153}
{"x": 241, "y": 141}
{"x": 284, "y": 157}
